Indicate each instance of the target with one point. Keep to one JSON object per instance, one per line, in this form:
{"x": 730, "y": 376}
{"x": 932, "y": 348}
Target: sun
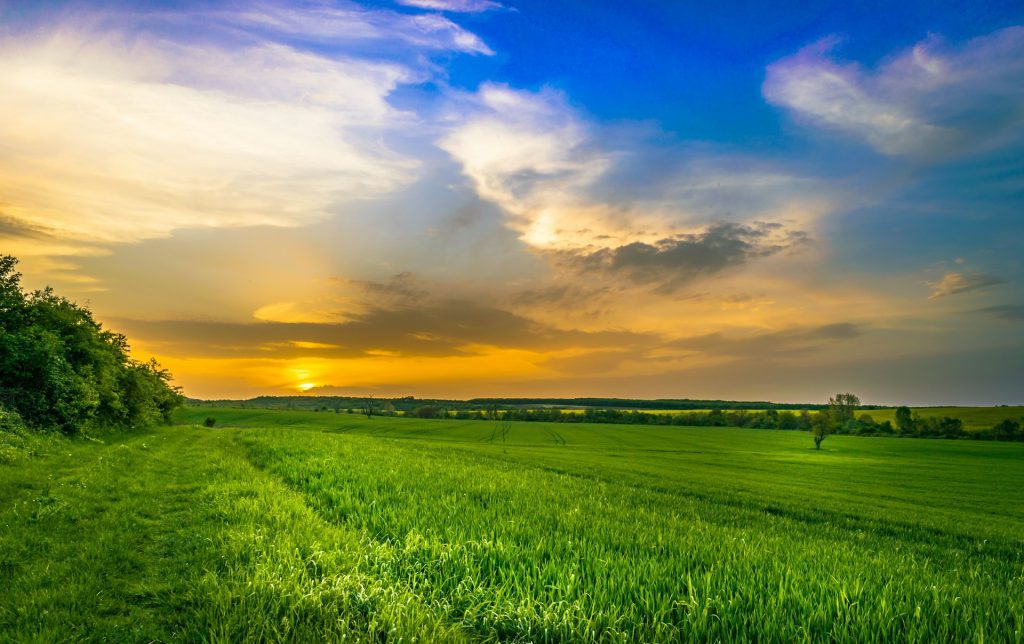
{"x": 306, "y": 386}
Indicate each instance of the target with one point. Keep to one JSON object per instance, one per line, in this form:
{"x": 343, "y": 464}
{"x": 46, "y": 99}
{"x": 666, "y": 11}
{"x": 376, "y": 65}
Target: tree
{"x": 804, "y": 421}
{"x": 369, "y": 406}
{"x": 426, "y": 411}
{"x": 842, "y": 407}
{"x": 821, "y": 426}
{"x": 905, "y": 422}
{"x": 59, "y": 368}
{"x": 1006, "y": 430}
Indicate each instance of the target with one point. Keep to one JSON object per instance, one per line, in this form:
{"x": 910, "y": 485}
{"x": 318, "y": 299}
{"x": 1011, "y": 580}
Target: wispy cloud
{"x": 112, "y": 140}
{"x": 930, "y": 101}
{"x": 787, "y": 342}
{"x": 462, "y": 6}
{"x": 954, "y": 282}
{"x": 119, "y": 127}
{"x": 1004, "y": 312}
{"x": 343, "y": 23}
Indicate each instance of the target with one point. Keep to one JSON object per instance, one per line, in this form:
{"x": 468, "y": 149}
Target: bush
{"x": 60, "y": 369}
{"x": 427, "y": 411}
{"x": 1007, "y": 430}
{"x": 13, "y": 437}
{"x": 210, "y": 421}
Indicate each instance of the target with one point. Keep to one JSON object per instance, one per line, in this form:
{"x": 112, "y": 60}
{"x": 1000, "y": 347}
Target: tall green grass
{"x": 309, "y": 526}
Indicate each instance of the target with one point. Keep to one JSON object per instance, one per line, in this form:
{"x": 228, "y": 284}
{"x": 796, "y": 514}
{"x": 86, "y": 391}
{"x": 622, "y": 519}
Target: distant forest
{"x": 829, "y": 419}
{"x": 410, "y": 403}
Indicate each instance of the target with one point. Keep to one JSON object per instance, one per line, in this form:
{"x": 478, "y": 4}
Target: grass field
{"x": 310, "y": 526}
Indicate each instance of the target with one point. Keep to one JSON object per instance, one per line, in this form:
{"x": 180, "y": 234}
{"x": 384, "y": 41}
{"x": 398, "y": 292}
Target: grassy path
{"x": 95, "y": 541}
{"x": 174, "y": 536}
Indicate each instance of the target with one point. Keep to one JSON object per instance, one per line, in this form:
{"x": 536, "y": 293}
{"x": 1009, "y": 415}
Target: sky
{"x": 464, "y": 198}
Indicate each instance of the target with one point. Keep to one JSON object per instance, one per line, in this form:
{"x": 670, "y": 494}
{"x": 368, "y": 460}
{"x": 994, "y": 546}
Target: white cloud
{"x": 532, "y": 155}
{"x": 122, "y": 126}
{"x": 931, "y": 100}
{"x": 461, "y": 6}
{"x": 332, "y": 24}
{"x": 529, "y": 154}
{"x": 112, "y": 139}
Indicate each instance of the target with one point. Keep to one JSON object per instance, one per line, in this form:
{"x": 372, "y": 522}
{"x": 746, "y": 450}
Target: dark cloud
{"x": 560, "y": 294}
{"x": 443, "y": 328}
{"x": 677, "y": 261}
{"x": 401, "y": 289}
{"x": 1007, "y": 312}
{"x": 10, "y": 227}
{"x": 788, "y": 342}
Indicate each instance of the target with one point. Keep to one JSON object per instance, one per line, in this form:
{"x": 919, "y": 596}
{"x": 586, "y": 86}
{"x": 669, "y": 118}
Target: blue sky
{"x": 473, "y": 197}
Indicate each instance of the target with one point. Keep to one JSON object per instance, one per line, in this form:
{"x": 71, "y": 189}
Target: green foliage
{"x": 821, "y": 426}
{"x": 13, "y": 439}
{"x": 905, "y": 421}
{"x": 427, "y": 411}
{"x": 1006, "y": 430}
{"x": 60, "y": 369}
{"x": 842, "y": 407}
{"x": 210, "y": 421}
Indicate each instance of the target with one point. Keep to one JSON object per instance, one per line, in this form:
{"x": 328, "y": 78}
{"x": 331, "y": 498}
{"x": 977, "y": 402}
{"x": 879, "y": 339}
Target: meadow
{"x": 304, "y": 526}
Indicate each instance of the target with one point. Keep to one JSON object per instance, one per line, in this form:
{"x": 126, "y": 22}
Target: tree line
{"x": 838, "y": 416}
{"x": 60, "y": 369}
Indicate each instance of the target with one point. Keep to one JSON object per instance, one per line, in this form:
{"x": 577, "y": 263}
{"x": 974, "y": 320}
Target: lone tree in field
{"x": 841, "y": 408}
{"x": 369, "y": 406}
{"x": 821, "y": 427}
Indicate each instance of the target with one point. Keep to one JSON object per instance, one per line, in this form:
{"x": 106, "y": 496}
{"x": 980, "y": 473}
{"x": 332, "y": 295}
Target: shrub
{"x": 60, "y": 369}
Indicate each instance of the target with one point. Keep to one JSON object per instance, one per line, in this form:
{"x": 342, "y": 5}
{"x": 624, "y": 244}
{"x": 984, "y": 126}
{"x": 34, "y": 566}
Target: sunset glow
{"x": 455, "y": 200}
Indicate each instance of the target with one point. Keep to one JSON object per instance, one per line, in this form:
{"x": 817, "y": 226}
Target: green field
{"x": 307, "y": 526}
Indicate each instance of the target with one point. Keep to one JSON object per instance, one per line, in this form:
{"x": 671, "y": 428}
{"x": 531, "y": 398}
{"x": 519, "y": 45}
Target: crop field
{"x": 304, "y": 526}
{"x": 974, "y": 418}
